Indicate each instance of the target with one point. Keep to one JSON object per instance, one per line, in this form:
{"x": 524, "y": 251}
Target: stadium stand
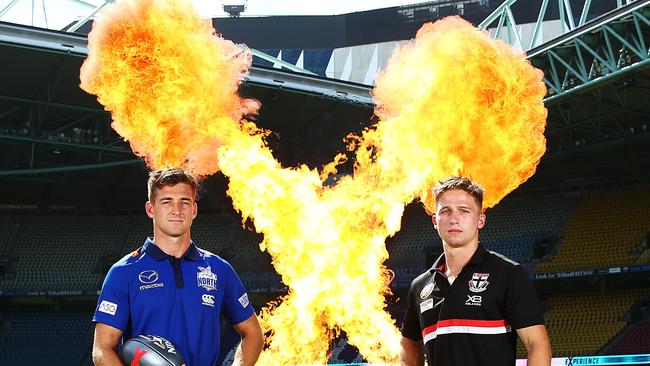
{"x": 408, "y": 248}
{"x": 63, "y": 251}
{"x": 60, "y": 250}
{"x": 603, "y": 232}
{"x": 6, "y": 228}
{"x": 512, "y": 228}
{"x": 39, "y": 338}
{"x": 634, "y": 340}
{"x": 643, "y": 250}
{"x": 583, "y": 323}
{"x": 515, "y": 224}
{"x": 644, "y": 257}
{"x": 55, "y": 259}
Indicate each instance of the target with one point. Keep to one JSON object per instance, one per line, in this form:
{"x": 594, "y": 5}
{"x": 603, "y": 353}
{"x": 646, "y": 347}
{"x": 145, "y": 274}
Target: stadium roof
{"x": 51, "y": 132}
{"x": 61, "y": 14}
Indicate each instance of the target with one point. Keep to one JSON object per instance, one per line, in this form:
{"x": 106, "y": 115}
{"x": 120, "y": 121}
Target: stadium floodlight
{"x": 234, "y": 7}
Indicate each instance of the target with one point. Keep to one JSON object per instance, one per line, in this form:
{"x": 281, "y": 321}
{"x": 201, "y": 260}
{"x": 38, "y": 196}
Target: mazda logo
{"x": 148, "y": 276}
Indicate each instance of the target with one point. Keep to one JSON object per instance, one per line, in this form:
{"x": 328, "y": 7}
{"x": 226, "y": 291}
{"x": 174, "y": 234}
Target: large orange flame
{"x": 169, "y": 82}
{"x": 452, "y": 101}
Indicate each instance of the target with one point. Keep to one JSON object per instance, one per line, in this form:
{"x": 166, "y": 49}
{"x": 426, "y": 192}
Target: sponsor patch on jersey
{"x": 426, "y": 291}
{"x": 207, "y": 300}
{"x": 479, "y": 282}
{"x": 243, "y": 300}
{"x": 206, "y": 279}
{"x": 152, "y": 285}
{"x": 149, "y": 279}
{"x": 426, "y": 305}
{"x": 148, "y": 276}
{"x": 473, "y": 300}
{"x": 107, "y": 307}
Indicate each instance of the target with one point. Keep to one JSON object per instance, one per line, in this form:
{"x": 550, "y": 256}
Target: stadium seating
{"x": 516, "y": 218}
{"x": 644, "y": 257}
{"x": 636, "y": 339}
{"x": 512, "y": 227}
{"x": 65, "y": 252}
{"x": 37, "y": 339}
{"x": 408, "y": 248}
{"x": 583, "y": 323}
{"x": 61, "y": 252}
{"x": 6, "y": 226}
{"x": 603, "y": 231}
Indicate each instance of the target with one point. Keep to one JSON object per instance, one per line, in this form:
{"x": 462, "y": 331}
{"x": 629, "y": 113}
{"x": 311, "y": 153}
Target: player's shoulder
{"x": 212, "y": 258}
{"x": 129, "y": 260}
{"x": 498, "y": 259}
{"x": 422, "y": 279}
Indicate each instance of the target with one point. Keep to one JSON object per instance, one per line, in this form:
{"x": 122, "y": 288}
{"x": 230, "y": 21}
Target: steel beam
{"x": 53, "y": 104}
{"x": 83, "y": 21}
{"x": 8, "y": 7}
{"x": 65, "y": 169}
{"x": 64, "y": 144}
{"x": 43, "y": 39}
{"x": 609, "y": 47}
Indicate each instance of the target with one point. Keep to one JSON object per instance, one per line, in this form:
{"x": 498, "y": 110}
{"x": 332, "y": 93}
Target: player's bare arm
{"x": 252, "y": 341}
{"x": 106, "y": 339}
{"x": 411, "y": 353}
{"x": 535, "y": 339}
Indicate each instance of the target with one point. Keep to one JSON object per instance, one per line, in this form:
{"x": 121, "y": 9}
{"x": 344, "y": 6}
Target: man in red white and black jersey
{"x": 467, "y": 308}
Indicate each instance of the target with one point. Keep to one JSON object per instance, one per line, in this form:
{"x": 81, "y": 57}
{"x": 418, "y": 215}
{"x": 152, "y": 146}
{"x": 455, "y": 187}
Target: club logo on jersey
{"x": 206, "y": 279}
{"x": 426, "y": 291}
{"x": 479, "y": 282}
{"x": 148, "y": 276}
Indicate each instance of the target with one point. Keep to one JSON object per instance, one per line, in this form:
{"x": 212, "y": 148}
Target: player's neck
{"x": 175, "y": 246}
{"x": 457, "y": 257}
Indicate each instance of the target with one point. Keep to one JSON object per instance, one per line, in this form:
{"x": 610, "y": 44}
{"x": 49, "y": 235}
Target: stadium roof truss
{"x": 595, "y": 71}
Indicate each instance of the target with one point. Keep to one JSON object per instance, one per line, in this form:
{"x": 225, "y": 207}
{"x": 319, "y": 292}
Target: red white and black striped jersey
{"x": 473, "y": 321}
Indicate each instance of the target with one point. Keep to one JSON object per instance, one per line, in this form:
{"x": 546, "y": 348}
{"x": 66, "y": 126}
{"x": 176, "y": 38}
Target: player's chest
{"x": 476, "y": 294}
{"x": 192, "y": 287}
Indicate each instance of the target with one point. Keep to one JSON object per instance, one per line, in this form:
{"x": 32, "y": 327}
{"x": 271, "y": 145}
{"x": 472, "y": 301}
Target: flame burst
{"x": 452, "y": 101}
{"x": 169, "y": 82}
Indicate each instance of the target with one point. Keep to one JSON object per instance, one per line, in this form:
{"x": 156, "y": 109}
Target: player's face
{"x": 458, "y": 218}
{"x": 173, "y": 210}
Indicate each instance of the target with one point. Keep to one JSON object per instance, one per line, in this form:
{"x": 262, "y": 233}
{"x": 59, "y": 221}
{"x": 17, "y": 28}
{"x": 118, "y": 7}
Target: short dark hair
{"x": 461, "y": 183}
{"x": 168, "y": 177}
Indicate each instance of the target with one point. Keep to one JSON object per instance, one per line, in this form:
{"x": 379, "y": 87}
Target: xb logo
{"x": 474, "y": 300}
